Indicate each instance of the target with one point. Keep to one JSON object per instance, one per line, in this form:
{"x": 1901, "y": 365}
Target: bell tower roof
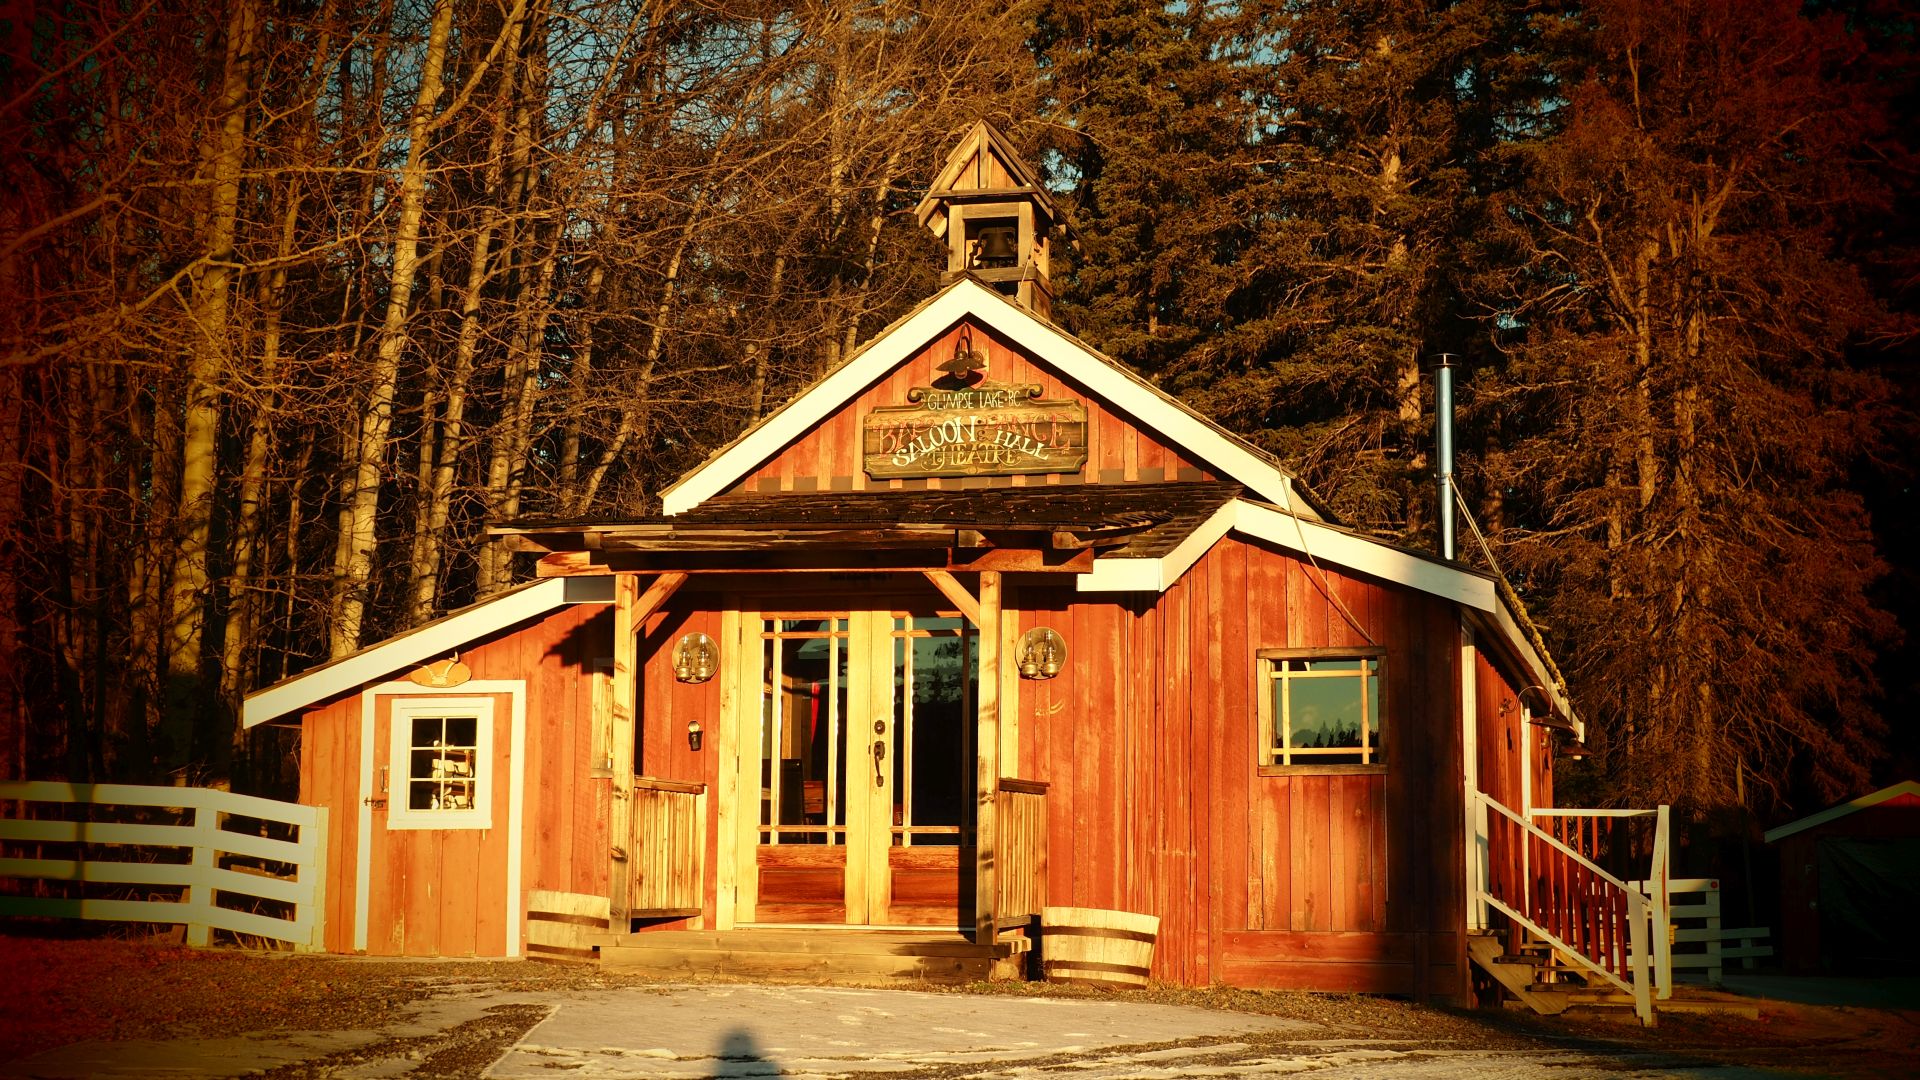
{"x": 997, "y": 220}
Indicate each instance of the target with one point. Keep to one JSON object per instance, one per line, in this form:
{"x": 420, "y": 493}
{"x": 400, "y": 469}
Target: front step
{"x": 1518, "y": 978}
{"x": 806, "y": 955}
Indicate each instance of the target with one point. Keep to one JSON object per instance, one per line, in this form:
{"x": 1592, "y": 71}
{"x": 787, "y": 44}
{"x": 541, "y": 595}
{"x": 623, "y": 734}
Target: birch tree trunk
{"x": 429, "y": 540}
{"x": 210, "y": 359}
{"x": 353, "y": 553}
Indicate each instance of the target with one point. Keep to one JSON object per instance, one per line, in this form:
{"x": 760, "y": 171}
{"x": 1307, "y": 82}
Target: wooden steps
{"x": 806, "y": 955}
{"x": 1487, "y": 951}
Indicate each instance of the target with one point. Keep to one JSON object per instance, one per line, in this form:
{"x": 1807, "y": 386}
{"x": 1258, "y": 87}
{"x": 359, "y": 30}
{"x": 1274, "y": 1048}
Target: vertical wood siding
{"x": 1328, "y": 881}
{"x": 443, "y": 892}
{"x": 829, "y": 457}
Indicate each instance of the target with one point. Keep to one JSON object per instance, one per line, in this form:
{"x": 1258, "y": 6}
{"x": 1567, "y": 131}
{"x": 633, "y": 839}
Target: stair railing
{"x": 1594, "y": 919}
{"x": 1580, "y": 830}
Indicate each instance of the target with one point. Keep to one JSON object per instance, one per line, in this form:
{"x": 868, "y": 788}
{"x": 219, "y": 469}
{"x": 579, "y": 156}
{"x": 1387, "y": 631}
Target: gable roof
{"x": 981, "y": 141}
{"x": 1233, "y": 457}
{"x": 1845, "y": 809}
{"x": 446, "y": 634}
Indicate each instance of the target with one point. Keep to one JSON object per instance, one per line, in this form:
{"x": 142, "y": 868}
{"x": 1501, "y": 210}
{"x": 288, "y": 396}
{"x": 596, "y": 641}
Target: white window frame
{"x": 404, "y": 711}
{"x": 1271, "y": 759}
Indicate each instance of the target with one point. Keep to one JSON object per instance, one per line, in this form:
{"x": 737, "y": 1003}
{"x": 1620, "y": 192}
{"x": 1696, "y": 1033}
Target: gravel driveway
{"x": 106, "y": 1009}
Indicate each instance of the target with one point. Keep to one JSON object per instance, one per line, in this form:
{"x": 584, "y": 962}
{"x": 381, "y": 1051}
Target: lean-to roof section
{"x": 448, "y": 633}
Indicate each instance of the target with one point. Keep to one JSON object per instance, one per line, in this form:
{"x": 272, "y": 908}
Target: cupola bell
{"x": 996, "y": 219}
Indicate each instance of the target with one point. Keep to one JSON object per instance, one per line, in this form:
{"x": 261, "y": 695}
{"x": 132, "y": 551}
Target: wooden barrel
{"x": 1093, "y": 945}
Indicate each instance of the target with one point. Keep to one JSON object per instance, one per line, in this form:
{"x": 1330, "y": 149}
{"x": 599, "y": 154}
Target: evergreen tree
{"x": 1274, "y": 202}
{"x": 1683, "y": 504}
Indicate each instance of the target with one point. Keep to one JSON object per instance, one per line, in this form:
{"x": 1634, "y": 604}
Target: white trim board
{"x": 445, "y": 635}
{"x": 1326, "y": 544}
{"x": 516, "y": 691}
{"x": 1323, "y": 542}
{"x": 1864, "y": 802}
{"x": 967, "y": 298}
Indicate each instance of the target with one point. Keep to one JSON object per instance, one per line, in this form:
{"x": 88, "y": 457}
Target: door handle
{"x": 879, "y": 755}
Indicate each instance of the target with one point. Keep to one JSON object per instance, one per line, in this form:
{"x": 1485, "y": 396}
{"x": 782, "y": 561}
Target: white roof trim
{"x": 1367, "y": 556}
{"x": 1537, "y": 668}
{"x": 449, "y": 633}
{"x": 1181, "y": 426}
{"x": 1346, "y": 550}
{"x": 1296, "y": 534}
{"x": 1155, "y": 575}
{"x": 1904, "y": 787}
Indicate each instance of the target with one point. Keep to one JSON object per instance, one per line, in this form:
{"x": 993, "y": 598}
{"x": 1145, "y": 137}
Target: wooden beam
{"x": 657, "y": 593}
{"x": 631, "y": 609}
{"x": 571, "y": 564}
{"x": 951, "y": 588}
{"x": 850, "y": 560}
{"x": 986, "y": 926}
{"x": 1020, "y": 560}
{"x": 626, "y": 649}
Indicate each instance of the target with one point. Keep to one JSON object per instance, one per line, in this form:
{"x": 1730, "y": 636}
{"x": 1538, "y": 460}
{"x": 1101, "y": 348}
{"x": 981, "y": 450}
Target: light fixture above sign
{"x": 958, "y": 427}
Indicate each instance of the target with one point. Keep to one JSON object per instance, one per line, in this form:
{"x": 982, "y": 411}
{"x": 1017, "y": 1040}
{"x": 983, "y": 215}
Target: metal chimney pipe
{"x": 1443, "y": 366}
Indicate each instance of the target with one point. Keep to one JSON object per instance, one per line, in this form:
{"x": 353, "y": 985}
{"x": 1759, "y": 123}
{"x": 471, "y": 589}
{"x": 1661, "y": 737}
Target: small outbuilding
{"x": 1850, "y": 883}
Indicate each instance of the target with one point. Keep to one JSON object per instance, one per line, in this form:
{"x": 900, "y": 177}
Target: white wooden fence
{"x": 196, "y": 868}
{"x": 1701, "y": 946}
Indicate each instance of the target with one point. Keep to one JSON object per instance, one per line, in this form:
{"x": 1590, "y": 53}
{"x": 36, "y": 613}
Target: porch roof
{"x": 1122, "y": 520}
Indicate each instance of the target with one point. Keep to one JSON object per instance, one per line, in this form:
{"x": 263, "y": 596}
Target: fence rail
{"x": 222, "y": 875}
{"x": 1699, "y": 942}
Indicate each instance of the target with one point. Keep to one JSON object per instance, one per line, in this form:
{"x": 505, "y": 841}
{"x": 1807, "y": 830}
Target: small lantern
{"x": 693, "y": 735}
{"x": 695, "y": 658}
{"x": 1042, "y": 653}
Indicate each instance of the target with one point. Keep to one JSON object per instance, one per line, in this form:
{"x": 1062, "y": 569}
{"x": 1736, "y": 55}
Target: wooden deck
{"x": 824, "y": 955}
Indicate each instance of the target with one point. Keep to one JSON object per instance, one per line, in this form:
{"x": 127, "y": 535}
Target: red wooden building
{"x": 979, "y": 621}
{"x": 1849, "y": 881}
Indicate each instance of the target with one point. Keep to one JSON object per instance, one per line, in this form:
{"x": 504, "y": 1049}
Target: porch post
{"x": 987, "y": 767}
{"x": 631, "y": 609}
{"x": 626, "y": 648}
{"x": 1474, "y": 837}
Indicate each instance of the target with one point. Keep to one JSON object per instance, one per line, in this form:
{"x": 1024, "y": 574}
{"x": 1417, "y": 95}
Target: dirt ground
{"x": 57, "y": 992}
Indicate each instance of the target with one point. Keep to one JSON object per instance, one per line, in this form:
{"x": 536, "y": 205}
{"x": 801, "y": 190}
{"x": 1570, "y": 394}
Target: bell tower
{"x": 995, "y": 217}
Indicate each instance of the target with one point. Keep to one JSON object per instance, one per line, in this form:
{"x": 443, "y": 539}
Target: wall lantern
{"x": 695, "y": 658}
{"x": 1042, "y": 653}
{"x": 693, "y": 735}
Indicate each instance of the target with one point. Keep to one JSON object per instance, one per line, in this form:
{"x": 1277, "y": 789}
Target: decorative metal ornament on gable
{"x": 964, "y": 425}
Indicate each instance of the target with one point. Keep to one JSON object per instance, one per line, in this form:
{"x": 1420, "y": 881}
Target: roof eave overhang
{"x": 444, "y": 635}
{"x": 1475, "y": 593}
{"x": 1845, "y": 809}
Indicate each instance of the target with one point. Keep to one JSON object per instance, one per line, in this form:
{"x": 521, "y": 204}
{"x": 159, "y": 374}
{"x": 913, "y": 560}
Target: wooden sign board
{"x": 987, "y": 430}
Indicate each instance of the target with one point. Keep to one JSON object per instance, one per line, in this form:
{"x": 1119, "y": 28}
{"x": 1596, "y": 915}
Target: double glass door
{"x": 863, "y": 766}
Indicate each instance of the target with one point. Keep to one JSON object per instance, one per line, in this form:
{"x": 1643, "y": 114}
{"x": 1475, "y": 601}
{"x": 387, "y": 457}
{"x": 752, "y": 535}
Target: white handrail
{"x": 1639, "y": 985}
{"x": 1542, "y": 834}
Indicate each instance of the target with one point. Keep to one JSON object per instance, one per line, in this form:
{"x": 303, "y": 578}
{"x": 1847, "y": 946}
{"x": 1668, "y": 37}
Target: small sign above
{"x": 992, "y": 429}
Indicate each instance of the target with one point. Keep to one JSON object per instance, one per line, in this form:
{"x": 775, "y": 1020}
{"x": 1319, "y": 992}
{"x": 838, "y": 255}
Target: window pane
{"x": 442, "y": 762}
{"x": 1326, "y": 712}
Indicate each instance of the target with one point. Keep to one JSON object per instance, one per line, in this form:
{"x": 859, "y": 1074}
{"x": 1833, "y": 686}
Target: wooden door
{"x": 856, "y": 767}
{"x": 439, "y": 842}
